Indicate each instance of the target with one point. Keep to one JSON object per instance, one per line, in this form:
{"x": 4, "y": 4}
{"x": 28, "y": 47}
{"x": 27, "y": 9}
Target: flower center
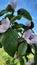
{"x": 31, "y": 37}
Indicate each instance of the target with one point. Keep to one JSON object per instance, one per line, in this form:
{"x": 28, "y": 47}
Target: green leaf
{"x": 22, "y": 49}
{"x": 16, "y": 25}
{"x": 25, "y": 27}
{"x": 10, "y": 41}
{"x": 24, "y": 13}
{"x": 2, "y": 12}
{"x": 21, "y": 61}
{"x": 32, "y": 25}
{"x": 28, "y": 51}
{"x": 9, "y": 9}
{"x": 16, "y": 18}
{"x": 35, "y": 56}
{"x": 20, "y": 39}
{"x": 9, "y": 16}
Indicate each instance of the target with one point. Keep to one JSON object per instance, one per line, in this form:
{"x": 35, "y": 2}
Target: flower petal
{"x": 28, "y": 23}
{"x": 5, "y": 24}
{"x": 30, "y": 62}
{"x": 27, "y": 34}
{"x": 13, "y": 4}
{"x": 30, "y": 37}
{"x": 34, "y": 40}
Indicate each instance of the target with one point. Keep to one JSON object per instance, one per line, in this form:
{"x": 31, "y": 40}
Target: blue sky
{"x": 30, "y": 5}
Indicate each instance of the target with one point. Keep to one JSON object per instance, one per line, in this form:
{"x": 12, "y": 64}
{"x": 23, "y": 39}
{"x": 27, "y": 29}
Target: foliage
{"x": 12, "y": 43}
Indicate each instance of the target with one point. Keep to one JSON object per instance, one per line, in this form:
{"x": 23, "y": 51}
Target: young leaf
{"x": 24, "y": 13}
{"x": 22, "y": 49}
{"x": 2, "y": 12}
{"x": 9, "y": 9}
{"x": 9, "y": 16}
{"x": 32, "y": 25}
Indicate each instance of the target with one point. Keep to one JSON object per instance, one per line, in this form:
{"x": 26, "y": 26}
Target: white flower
{"x": 34, "y": 39}
{"x": 28, "y": 23}
{"x": 13, "y": 4}
{"x": 30, "y": 37}
{"x": 5, "y": 24}
{"x": 30, "y": 62}
{"x": 27, "y": 34}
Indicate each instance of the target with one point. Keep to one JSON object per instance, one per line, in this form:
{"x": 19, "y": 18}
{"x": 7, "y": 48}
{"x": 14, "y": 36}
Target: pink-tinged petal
{"x": 2, "y": 29}
{"x": 30, "y": 37}
{"x": 13, "y": 4}
{"x": 34, "y": 39}
{"x": 30, "y": 62}
{"x": 28, "y": 23}
{"x": 28, "y": 41}
{"x": 27, "y": 34}
{"x": 5, "y": 24}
